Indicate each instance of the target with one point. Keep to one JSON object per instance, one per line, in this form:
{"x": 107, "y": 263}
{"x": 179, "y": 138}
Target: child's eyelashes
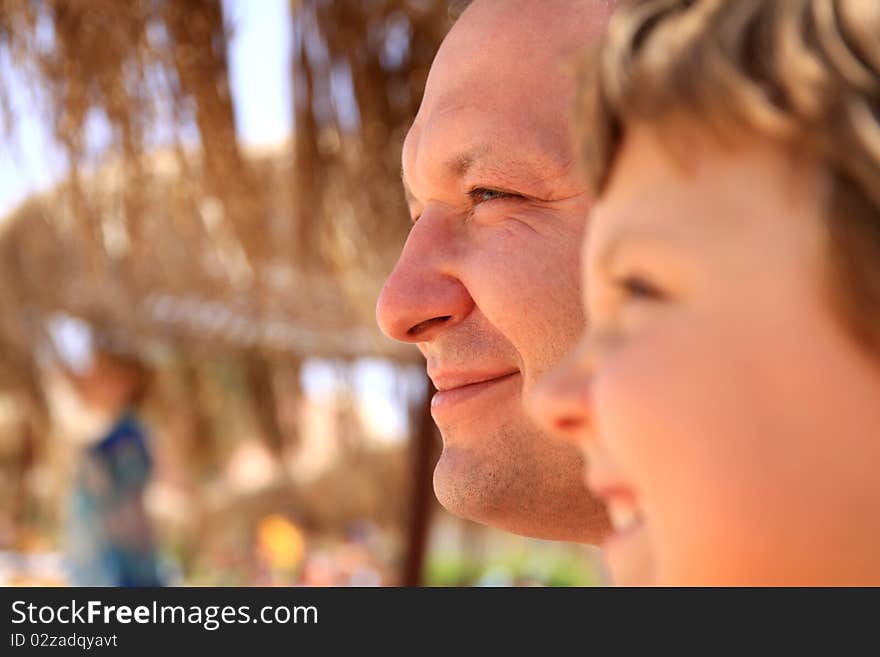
{"x": 639, "y": 287}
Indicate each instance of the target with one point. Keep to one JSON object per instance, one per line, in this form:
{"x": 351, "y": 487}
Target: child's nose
{"x": 561, "y": 402}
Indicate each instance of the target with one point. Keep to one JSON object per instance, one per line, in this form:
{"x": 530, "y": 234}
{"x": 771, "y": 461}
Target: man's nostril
{"x": 421, "y": 327}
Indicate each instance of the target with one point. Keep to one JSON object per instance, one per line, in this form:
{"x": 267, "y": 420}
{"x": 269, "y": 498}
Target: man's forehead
{"x": 471, "y": 138}
{"x": 500, "y": 92}
{"x": 513, "y": 52}
{"x": 549, "y": 25}
{"x": 476, "y": 142}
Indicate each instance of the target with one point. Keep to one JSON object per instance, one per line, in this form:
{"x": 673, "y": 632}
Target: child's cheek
{"x": 640, "y": 399}
{"x": 666, "y": 415}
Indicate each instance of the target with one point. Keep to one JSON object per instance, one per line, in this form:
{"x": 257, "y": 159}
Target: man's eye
{"x": 483, "y": 194}
{"x": 639, "y": 287}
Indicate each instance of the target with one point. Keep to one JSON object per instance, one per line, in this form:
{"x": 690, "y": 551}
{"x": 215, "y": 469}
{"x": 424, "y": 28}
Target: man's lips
{"x": 454, "y": 389}
{"x": 446, "y": 381}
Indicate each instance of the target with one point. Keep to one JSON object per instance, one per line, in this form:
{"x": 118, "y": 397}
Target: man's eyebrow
{"x": 529, "y": 176}
{"x": 460, "y": 165}
{"x": 407, "y": 191}
{"x": 457, "y": 166}
{"x": 508, "y": 170}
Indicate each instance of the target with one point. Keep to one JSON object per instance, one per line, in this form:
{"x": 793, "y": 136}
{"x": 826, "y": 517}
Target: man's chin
{"x": 513, "y": 499}
{"x": 462, "y": 489}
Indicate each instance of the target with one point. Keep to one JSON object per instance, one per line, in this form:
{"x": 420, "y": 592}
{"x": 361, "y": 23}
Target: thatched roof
{"x": 186, "y": 279}
{"x": 209, "y": 244}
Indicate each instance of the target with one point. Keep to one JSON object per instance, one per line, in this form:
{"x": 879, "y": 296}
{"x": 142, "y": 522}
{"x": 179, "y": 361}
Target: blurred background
{"x": 199, "y": 201}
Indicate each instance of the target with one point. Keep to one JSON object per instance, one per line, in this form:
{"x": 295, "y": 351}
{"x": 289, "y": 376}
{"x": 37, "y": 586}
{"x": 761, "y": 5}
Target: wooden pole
{"x": 423, "y": 452}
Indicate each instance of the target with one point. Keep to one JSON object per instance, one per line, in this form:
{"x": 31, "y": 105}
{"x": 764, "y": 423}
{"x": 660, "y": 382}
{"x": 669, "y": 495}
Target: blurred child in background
{"x": 109, "y": 542}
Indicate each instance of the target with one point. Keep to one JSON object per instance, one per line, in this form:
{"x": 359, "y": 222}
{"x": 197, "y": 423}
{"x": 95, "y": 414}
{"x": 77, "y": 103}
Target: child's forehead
{"x": 680, "y": 161}
{"x": 706, "y": 195}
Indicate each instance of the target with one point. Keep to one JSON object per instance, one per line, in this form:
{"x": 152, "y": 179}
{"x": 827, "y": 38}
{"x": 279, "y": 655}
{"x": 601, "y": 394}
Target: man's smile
{"x": 456, "y": 390}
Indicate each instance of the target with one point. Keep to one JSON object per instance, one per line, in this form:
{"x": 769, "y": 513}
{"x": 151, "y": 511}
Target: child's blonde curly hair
{"x": 805, "y": 73}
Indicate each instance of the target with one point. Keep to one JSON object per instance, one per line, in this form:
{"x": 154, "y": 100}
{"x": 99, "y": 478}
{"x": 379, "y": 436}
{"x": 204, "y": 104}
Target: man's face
{"x": 487, "y": 284}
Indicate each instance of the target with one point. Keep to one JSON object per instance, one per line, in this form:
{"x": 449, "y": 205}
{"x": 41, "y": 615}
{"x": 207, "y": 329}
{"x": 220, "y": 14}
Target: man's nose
{"x": 562, "y": 402}
{"x": 424, "y": 294}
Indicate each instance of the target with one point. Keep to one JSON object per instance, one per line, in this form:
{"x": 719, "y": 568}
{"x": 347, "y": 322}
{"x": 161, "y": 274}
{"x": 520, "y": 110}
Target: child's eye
{"x": 639, "y": 287}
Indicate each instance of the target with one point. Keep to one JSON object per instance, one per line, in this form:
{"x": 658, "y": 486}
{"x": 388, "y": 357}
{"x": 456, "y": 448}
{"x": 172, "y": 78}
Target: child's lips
{"x": 623, "y": 510}
{"x": 622, "y": 505}
{"x": 626, "y": 548}
{"x": 625, "y": 517}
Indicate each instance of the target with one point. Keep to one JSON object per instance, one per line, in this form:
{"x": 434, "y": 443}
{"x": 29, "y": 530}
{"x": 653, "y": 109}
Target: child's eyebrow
{"x": 631, "y": 238}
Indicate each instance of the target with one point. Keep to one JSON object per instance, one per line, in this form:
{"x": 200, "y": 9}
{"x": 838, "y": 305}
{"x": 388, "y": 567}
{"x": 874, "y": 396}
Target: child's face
{"x": 729, "y": 422}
